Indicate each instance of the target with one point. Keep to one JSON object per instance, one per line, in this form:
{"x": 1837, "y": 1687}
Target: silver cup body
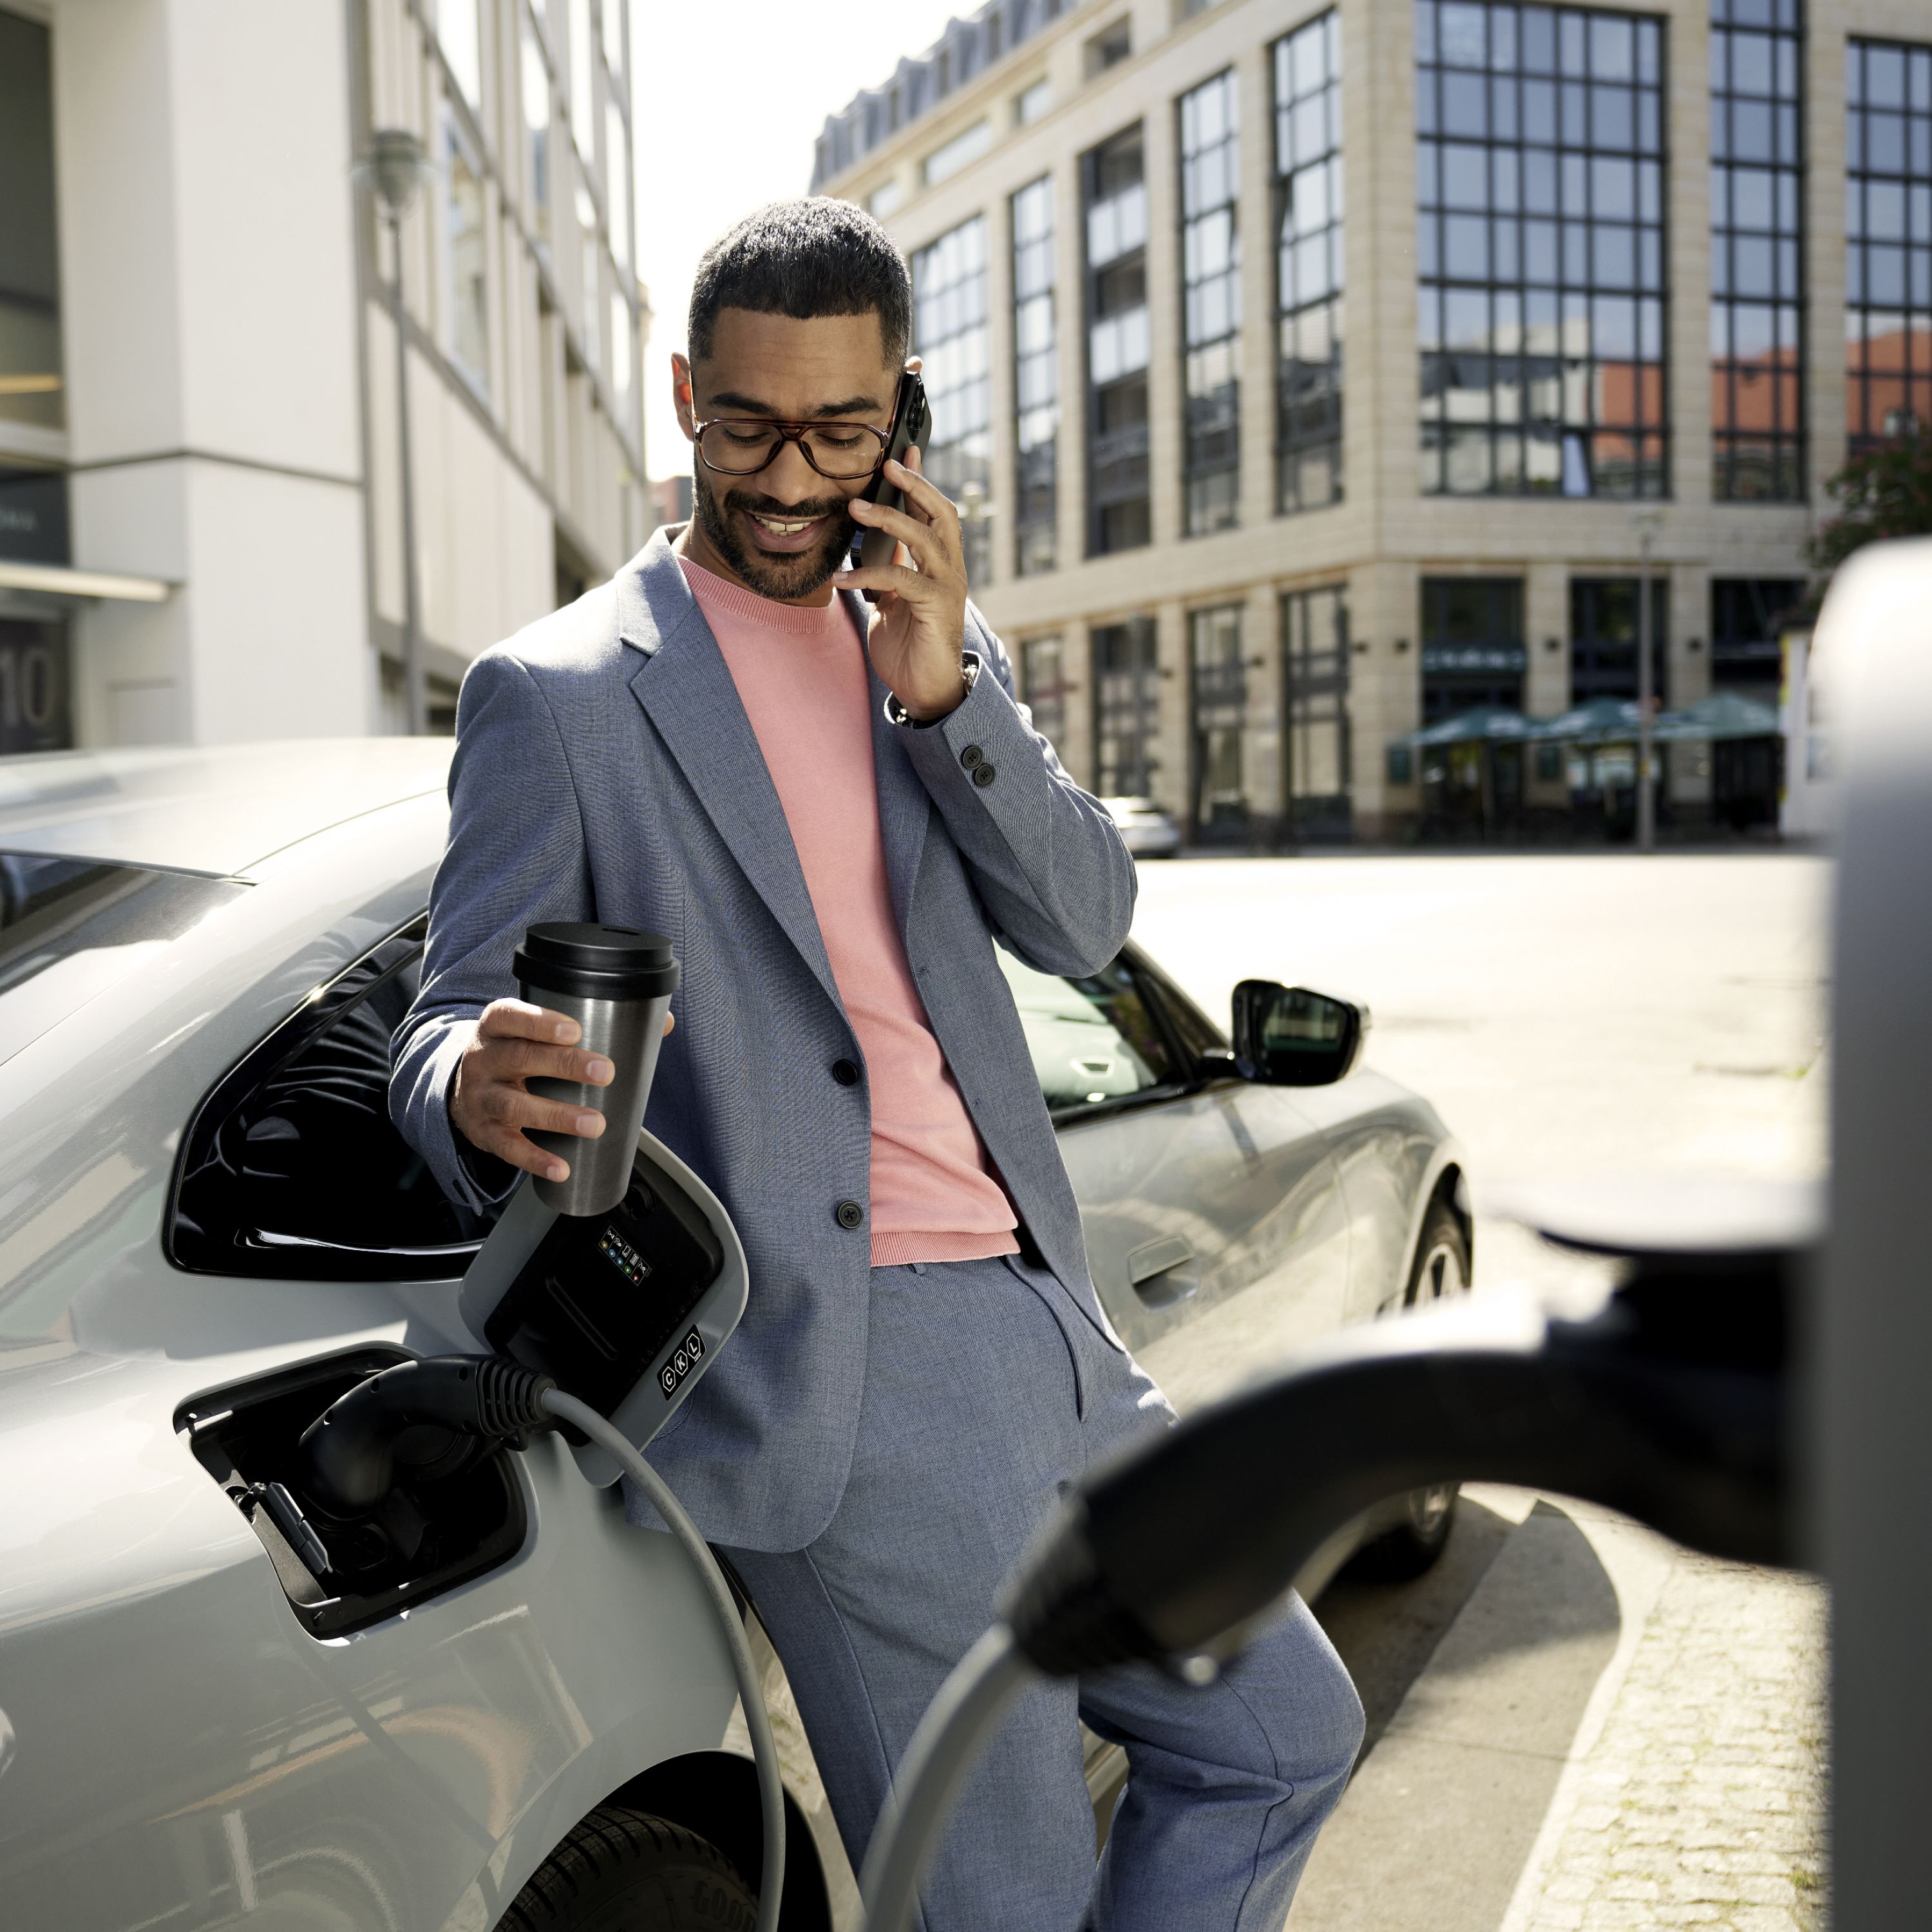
{"x": 627, "y": 1032}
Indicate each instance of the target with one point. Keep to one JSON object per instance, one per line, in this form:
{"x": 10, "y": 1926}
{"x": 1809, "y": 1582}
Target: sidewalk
{"x": 1614, "y": 1734}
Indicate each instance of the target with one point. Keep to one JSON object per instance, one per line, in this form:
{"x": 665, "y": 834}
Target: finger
{"x": 924, "y": 495}
{"x": 517, "y": 1059}
{"x": 513, "y": 1107}
{"x": 912, "y": 585}
{"x": 518, "y": 1019}
{"x": 507, "y": 1144}
{"x": 927, "y": 542}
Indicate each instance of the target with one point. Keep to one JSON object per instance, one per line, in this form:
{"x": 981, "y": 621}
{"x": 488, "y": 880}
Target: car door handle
{"x": 1152, "y": 1271}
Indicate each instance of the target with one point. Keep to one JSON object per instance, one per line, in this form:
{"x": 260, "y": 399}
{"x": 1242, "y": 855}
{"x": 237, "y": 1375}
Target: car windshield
{"x": 70, "y": 928}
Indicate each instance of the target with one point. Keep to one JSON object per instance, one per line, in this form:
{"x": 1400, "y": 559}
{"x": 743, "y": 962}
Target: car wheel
{"x": 1442, "y": 1269}
{"x": 621, "y": 1871}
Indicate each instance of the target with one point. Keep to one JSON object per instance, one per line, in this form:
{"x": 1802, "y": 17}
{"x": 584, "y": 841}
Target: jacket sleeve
{"x": 1046, "y": 858}
{"x": 516, "y": 855}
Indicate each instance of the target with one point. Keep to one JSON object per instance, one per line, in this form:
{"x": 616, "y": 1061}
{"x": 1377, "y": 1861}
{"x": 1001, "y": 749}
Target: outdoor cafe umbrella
{"x": 1603, "y": 721}
{"x": 1723, "y": 714}
{"x": 1487, "y": 724}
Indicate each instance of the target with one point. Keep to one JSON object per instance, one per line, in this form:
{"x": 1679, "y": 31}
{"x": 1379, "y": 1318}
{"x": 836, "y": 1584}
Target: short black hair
{"x": 805, "y": 258}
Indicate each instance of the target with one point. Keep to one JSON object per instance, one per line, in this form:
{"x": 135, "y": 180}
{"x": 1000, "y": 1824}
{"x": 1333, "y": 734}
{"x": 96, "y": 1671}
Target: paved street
{"x": 1572, "y": 1724}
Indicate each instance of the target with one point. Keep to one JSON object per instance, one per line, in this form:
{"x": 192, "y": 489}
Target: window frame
{"x": 195, "y": 1252}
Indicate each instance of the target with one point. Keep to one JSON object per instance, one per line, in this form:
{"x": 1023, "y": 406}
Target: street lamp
{"x": 394, "y": 167}
{"x": 1648, "y": 523}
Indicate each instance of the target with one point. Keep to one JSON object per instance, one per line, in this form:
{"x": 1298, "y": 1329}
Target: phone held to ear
{"x": 912, "y": 423}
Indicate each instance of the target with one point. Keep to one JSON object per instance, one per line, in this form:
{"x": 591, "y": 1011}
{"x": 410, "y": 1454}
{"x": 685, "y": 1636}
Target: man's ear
{"x": 680, "y": 396}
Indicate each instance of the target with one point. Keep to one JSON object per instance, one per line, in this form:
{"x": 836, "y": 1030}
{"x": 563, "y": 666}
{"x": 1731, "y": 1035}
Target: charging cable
{"x": 764, "y": 1748}
{"x": 349, "y": 1454}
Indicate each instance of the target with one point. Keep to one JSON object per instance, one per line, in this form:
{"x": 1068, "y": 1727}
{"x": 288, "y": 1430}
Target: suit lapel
{"x": 686, "y": 688}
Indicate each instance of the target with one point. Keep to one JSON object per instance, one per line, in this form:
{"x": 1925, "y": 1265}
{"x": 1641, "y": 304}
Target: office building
{"x": 1311, "y": 373}
{"x": 200, "y": 516}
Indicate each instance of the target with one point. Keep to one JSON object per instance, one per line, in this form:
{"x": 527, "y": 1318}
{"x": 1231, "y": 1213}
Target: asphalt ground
{"x": 1568, "y": 1015}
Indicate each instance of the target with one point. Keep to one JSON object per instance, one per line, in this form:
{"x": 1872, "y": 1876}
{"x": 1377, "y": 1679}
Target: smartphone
{"x": 912, "y": 423}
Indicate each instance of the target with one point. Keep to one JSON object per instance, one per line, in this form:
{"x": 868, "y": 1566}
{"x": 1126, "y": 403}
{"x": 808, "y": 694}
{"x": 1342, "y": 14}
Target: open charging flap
{"x": 626, "y": 1309}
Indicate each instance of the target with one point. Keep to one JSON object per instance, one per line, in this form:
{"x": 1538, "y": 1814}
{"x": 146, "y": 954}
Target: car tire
{"x": 1441, "y": 1268}
{"x": 621, "y": 1871}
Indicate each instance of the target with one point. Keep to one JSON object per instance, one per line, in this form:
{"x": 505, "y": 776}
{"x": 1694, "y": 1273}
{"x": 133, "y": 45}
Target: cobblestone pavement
{"x": 1702, "y": 1801}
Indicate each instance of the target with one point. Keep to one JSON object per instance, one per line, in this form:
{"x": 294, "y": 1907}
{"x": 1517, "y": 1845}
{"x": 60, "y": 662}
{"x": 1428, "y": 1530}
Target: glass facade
{"x": 32, "y": 383}
{"x": 1602, "y": 637}
{"x": 1317, "y": 772}
{"x": 1307, "y": 81}
{"x": 1540, "y": 156}
{"x": 1888, "y": 241}
{"x": 1044, "y": 686}
{"x": 1115, "y": 192}
{"x": 1218, "y": 710}
{"x": 1757, "y": 290}
{"x": 1746, "y": 615}
{"x": 1126, "y": 708}
{"x": 1036, "y": 383}
{"x": 1210, "y": 267}
{"x": 466, "y": 255}
{"x": 1472, "y": 645}
{"x": 950, "y": 330}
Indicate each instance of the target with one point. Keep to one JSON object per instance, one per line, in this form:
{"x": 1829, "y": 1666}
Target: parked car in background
{"x": 1149, "y": 832}
{"x": 209, "y": 1229}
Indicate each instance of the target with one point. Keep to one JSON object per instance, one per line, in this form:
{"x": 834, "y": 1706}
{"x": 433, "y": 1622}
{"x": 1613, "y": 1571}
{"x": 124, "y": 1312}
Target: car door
{"x": 1213, "y": 1219}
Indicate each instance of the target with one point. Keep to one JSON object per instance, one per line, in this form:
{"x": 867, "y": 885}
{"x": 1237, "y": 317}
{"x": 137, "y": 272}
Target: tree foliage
{"x": 1887, "y": 492}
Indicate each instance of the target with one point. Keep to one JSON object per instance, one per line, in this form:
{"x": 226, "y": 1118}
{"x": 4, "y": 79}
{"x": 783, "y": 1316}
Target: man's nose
{"x": 790, "y": 478}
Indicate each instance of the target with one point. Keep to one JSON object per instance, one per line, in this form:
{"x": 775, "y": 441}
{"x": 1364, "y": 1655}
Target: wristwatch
{"x": 969, "y": 673}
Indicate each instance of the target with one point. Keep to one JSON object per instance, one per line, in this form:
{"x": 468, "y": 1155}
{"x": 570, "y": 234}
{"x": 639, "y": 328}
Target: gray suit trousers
{"x": 987, "y": 1393}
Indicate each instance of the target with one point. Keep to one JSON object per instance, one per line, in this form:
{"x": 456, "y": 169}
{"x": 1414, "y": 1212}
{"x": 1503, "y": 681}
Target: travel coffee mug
{"x": 616, "y": 985}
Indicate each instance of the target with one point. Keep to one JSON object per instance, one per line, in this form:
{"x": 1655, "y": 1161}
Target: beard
{"x": 776, "y": 576}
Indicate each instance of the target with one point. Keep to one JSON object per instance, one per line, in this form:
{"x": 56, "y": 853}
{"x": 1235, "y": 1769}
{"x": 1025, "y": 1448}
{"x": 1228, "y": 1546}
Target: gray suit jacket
{"x": 605, "y": 769}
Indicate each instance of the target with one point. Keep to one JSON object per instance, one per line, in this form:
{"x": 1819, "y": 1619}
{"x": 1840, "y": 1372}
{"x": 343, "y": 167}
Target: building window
{"x": 536, "y": 92}
{"x": 1043, "y": 684}
{"x": 1747, "y": 613}
{"x": 1115, "y": 193}
{"x": 1218, "y": 710}
{"x": 457, "y": 34}
{"x": 1757, "y": 362}
{"x": 465, "y": 256}
{"x": 962, "y": 150}
{"x": 32, "y": 384}
{"x": 1317, "y": 774}
{"x": 583, "y": 94}
{"x": 1308, "y": 265}
{"x": 1127, "y": 709}
{"x": 1108, "y": 48}
{"x": 1035, "y": 382}
{"x": 1210, "y": 267}
{"x": 1539, "y": 251}
{"x": 591, "y": 259}
{"x": 1033, "y": 104}
{"x": 1602, "y": 637}
{"x": 1472, "y": 646}
{"x": 1888, "y": 241}
{"x": 950, "y": 331}
{"x": 616, "y": 182}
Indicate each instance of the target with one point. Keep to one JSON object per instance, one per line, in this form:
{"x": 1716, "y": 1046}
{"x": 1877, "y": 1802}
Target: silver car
{"x": 208, "y": 1229}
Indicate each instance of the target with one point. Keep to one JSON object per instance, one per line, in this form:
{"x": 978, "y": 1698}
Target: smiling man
{"x": 837, "y": 812}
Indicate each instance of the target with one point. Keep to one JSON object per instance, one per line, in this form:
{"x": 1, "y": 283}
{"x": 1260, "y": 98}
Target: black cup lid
{"x": 616, "y": 961}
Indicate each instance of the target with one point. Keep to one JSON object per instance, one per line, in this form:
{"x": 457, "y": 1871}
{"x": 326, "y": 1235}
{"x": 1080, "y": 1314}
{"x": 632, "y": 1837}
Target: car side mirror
{"x": 1291, "y": 1036}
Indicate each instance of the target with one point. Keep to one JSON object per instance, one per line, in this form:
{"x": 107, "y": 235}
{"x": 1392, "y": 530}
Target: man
{"x": 834, "y": 811}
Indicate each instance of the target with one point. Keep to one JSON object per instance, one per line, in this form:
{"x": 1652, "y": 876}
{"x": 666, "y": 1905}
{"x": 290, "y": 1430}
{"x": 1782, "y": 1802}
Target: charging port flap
{"x": 626, "y": 1310}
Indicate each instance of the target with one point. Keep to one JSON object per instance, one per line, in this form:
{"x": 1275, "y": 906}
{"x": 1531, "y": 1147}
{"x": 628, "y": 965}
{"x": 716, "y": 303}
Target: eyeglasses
{"x": 743, "y": 445}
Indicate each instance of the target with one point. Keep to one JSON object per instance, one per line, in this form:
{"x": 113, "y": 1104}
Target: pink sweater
{"x": 801, "y": 675}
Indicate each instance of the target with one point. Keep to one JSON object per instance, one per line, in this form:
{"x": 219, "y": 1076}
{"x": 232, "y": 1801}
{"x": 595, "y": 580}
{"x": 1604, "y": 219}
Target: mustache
{"x": 770, "y": 506}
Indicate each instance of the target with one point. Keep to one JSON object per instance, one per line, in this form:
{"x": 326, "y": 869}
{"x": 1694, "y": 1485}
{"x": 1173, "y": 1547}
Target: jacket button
{"x": 846, "y": 1072}
{"x": 982, "y": 775}
{"x": 849, "y": 1214}
{"x": 972, "y": 758}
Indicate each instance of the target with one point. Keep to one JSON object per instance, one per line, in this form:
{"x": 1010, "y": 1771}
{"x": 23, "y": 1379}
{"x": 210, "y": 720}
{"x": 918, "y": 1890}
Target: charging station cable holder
{"x": 625, "y": 1310}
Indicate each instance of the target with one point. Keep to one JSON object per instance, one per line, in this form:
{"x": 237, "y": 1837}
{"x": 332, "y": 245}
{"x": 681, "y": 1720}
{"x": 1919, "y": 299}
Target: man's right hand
{"x": 515, "y": 1042}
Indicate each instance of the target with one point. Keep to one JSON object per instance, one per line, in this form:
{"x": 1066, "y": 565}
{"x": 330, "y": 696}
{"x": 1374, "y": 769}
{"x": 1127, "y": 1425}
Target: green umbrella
{"x": 1723, "y": 714}
{"x": 1487, "y": 724}
{"x": 1603, "y": 721}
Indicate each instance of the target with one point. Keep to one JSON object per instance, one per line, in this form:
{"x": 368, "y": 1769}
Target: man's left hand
{"x": 920, "y": 627}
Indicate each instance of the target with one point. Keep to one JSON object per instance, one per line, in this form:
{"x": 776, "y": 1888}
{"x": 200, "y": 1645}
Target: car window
{"x": 1191, "y": 1028}
{"x": 292, "y": 1166}
{"x": 1092, "y": 1040}
{"x": 70, "y": 928}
